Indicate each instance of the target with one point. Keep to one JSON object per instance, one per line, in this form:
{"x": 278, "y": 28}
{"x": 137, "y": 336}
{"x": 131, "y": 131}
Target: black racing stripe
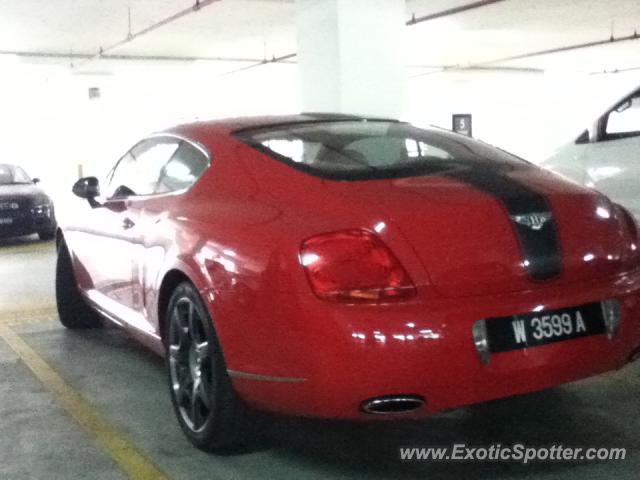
{"x": 541, "y": 252}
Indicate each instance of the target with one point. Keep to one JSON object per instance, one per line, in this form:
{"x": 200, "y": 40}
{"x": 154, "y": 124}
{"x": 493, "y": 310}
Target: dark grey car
{"x": 24, "y": 207}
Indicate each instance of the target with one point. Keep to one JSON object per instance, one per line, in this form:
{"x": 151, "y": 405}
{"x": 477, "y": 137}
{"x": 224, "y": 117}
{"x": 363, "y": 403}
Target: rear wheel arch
{"x": 171, "y": 280}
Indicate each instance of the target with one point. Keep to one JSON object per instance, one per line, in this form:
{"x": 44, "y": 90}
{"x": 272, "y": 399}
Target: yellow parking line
{"x": 27, "y": 248}
{"x": 45, "y": 311}
{"x": 134, "y": 463}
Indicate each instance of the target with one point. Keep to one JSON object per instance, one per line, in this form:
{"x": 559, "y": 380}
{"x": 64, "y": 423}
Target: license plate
{"x": 6, "y": 221}
{"x": 541, "y": 328}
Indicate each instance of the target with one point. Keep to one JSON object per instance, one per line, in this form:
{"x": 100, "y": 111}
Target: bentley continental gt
{"x": 335, "y": 266}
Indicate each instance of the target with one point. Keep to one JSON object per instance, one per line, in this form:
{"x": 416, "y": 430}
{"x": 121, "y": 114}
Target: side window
{"x": 380, "y": 152}
{"x": 624, "y": 120}
{"x": 20, "y": 176}
{"x": 6, "y": 176}
{"x": 118, "y": 176}
{"x": 138, "y": 172}
{"x": 377, "y": 151}
{"x": 421, "y": 150}
{"x": 182, "y": 171}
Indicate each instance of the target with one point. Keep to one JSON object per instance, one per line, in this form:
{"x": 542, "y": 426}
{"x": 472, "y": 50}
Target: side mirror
{"x": 35, "y": 180}
{"x": 583, "y": 138}
{"x": 88, "y": 188}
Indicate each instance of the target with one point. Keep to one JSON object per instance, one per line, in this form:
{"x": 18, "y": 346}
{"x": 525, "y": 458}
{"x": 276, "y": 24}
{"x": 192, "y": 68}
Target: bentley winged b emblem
{"x": 535, "y": 221}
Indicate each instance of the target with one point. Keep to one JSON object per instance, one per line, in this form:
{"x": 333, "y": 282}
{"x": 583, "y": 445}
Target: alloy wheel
{"x": 190, "y": 365}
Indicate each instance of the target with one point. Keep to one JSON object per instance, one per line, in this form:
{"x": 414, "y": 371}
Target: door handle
{"x": 127, "y": 223}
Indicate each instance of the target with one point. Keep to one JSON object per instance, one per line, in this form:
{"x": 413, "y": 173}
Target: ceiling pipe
{"x": 199, "y": 4}
{"x": 281, "y": 59}
{"x": 614, "y": 71}
{"x": 288, "y": 59}
{"x": 451, "y": 11}
{"x": 156, "y": 58}
{"x": 414, "y": 20}
{"x": 102, "y": 54}
{"x": 549, "y": 51}
{"x": 566, "y": 48}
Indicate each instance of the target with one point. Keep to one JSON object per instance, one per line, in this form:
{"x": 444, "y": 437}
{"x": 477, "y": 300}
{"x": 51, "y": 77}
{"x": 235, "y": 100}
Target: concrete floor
{"x": 19, "y": 290}
{"x": 127, "y": 385}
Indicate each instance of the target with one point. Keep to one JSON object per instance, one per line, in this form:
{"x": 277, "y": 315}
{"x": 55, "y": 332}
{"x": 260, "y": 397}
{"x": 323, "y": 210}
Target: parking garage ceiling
{"x": 494, "y": 35}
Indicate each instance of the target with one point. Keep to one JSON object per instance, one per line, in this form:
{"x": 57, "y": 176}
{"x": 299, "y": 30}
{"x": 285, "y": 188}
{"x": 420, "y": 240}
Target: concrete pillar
{"x": 350, "y": 55}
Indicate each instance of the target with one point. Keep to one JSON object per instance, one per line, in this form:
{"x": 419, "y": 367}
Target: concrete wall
{"x": 49, "y": 125}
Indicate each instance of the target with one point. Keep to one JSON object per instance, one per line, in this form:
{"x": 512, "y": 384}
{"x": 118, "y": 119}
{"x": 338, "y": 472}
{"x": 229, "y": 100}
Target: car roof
{"x": 233, "y": 125}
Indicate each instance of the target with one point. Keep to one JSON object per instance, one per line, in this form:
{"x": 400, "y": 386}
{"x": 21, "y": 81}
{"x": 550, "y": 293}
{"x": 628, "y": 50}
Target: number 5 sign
{"x": 461, "y": 123}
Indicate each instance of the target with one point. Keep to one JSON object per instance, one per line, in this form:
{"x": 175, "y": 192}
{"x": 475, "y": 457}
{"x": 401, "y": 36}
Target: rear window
{"x": 358, "y": 150}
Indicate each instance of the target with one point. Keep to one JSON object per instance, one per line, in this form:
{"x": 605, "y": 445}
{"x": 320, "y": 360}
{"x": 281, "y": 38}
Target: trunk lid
{"x": 486, "y": 232}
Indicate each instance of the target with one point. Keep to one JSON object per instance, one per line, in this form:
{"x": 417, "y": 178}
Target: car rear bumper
{"x": 324, "y": 360}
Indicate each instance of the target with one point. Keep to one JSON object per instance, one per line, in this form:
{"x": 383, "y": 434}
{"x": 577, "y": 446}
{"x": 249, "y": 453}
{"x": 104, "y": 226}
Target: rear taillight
{"x": 354, "y": 266}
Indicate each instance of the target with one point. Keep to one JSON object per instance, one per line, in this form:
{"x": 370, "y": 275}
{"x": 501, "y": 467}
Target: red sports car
{"x": 346, "y": 267}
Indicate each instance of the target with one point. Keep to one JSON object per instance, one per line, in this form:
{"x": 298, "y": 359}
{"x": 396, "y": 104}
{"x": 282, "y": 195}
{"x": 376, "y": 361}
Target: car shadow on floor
{"x": 573, "y": 416}
{"x": 542, "y": 419}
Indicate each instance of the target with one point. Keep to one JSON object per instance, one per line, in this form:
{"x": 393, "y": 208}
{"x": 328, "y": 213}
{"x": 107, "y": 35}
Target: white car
{"x": 606, "y": 156}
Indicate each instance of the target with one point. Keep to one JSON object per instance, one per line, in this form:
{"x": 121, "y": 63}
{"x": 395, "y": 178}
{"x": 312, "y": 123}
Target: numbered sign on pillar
{"x": 461, "y": 123}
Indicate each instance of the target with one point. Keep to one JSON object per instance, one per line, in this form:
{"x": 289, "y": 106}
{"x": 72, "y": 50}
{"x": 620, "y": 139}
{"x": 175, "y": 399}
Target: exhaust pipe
{"x": 392, "y": 404}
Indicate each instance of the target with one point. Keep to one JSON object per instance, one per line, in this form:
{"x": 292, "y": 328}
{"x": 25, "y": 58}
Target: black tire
{"x": 205, "y": 404}
{"x": 50, "y": 234}
{"x": 73, "y": 310}
{"x": 47, "y": 235}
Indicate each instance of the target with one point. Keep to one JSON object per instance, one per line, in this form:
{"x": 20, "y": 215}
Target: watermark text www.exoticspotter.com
{"x": 517, "y": 453}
